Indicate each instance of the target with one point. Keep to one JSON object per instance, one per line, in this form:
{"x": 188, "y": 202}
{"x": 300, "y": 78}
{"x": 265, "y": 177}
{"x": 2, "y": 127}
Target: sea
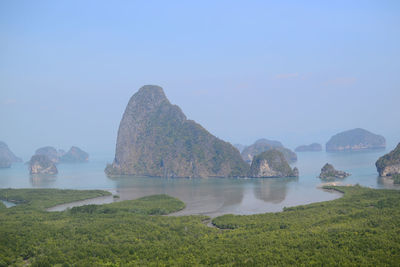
{"x": 211, "y": 196}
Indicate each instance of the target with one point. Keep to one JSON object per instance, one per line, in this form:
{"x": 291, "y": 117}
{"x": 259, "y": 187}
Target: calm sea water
{"x": 213, "y": 196}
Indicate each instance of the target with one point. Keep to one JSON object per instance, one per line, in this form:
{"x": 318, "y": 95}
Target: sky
{"x": 293, "y": 71}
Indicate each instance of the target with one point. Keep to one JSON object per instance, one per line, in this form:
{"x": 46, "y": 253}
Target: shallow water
{"x": 8, "y": 204}
{"x": 212, "y": 196}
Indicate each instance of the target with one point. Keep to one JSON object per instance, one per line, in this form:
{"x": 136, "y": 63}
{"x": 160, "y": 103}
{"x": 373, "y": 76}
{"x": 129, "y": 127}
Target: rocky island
{"x": 74, "y": 155}
{"x": 41, "y": 164}
{"x": 314, "y": 147}
{"x": 156, "y": 139}
{"x": 355, "y": 140}
{"x": 328, "y": 172}
{"x": 271, "y": 163}
{"x": 263, "y": 145}
{"x": 50, "y": 152}
{"x": 7, "y": 157}
{"x": 389, "y": 164}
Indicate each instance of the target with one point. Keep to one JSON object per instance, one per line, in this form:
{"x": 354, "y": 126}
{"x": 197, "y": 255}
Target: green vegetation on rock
{"x": 271, "y": 163}
{"x": 359, "y": 229}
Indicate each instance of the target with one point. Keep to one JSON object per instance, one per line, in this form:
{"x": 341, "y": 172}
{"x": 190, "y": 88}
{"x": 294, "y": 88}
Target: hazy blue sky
{"x": 295, "y": 71}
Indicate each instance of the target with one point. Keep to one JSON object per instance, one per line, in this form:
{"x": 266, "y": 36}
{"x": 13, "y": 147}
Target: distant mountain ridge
{"x": 355, "y": 140}
{"x": 314, "y": 147}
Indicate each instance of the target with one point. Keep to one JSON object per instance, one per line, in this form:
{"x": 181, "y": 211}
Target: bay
{"x": 212, "y": 196}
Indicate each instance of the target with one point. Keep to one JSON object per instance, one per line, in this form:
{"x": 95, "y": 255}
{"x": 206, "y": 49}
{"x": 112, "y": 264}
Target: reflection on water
{"x": 42, "y": 180}
{"x": 273, "y": 190}
{"x": 214, "y": 196}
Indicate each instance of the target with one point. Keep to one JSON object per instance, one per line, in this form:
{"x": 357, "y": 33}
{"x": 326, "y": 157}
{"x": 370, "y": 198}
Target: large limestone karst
{"x": 271, "y": 163}
{"x": 355, "y": 140}
{"x": 389, "y": 164}
{"x": 156, "y": 139}
{"x": 263, "y": 145}
{"x": 7, "y": 157}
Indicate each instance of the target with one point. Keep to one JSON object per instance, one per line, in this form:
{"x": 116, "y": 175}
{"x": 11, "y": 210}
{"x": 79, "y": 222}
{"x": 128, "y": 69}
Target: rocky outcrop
{"x": 263, "y": 145}
{"x": 314, "y": 147}
{"x": 329, "y": 172}
{"x": 389, "y": 164}
{"x": 7, "y": 157}
{"x": 74, "y": 155}
{"x": 355, "y": 140}
{"x": 156, "y": 139}
{"x": 41, "y": 164}
{"x": 271, "y": 163}
{"x": 50, "y": 152}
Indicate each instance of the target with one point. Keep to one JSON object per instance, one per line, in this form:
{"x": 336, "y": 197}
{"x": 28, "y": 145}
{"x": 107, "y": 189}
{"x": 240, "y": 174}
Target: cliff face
{"x": 156, "y": 139}
{"x": 41, "y": 164}
{"x": 271, "y": 163}
{"x": 314, "y": 147}
{"x": 263, "y": 145}
{"x": 355, "y": 140}
{"x": 329, "y": 172}
{"x": 389, "y": 164}
{"x": 7, "y": 157}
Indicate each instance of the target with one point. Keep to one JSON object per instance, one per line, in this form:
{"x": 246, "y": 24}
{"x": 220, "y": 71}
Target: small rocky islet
{"x": 328, "y": 172}
{"x": 271, "y": 163}
{"x": 50, "y": 152}
{"x": 45, "y": 159}
{"x": 74, "y": 155}
{"x": 355, "y": 140}
{"x": 42, "y": 164}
